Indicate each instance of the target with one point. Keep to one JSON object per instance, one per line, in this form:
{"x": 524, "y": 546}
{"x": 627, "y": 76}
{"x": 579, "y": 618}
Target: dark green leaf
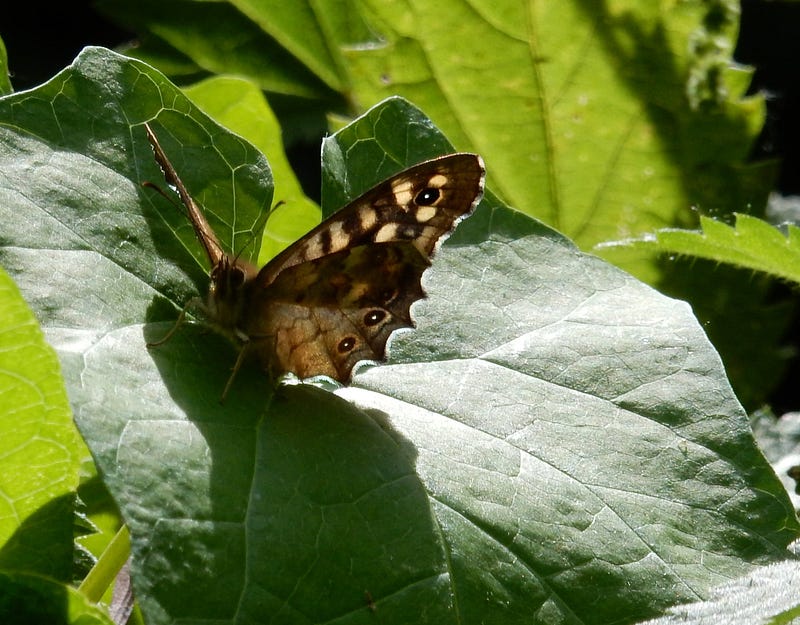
{"x": 30, "y": 600}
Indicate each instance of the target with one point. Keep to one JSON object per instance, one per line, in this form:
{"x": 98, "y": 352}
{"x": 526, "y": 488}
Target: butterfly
{"x": 333, "y": 298}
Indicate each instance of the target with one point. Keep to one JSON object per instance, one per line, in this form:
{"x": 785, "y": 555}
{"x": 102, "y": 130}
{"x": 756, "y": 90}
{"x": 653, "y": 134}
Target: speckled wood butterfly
{"x": 334, "y": 297}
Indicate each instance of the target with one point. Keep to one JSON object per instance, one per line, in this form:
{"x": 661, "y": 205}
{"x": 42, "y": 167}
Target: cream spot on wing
{"x": 402, "y": 190}
{"x": 437, "y": 181}
{"x": 425, "y": 213}
{"x": 355, "y": 294}
{"x": 427, "y": 238}
{"x": 368, "y": 218}
{"x": 339, "y": 238}
{"x": 313, "y": 248}
{"x": 388, "y": 232}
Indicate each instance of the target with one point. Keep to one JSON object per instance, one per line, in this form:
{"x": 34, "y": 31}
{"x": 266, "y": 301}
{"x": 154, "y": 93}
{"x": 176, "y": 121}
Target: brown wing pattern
{"x": 323, "y": 316}
{"x": 420, "y": 204}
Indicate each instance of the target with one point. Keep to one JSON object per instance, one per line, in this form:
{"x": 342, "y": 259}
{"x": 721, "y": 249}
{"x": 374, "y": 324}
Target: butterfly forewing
{"x": 202, "y": 228}
{"x": 421, "y": 204}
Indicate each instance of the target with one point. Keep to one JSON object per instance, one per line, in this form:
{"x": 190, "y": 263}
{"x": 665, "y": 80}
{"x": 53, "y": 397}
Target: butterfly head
{"x": 227, "y": 292}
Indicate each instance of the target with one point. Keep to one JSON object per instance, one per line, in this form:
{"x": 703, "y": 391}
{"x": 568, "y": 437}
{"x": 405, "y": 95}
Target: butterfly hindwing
{"x": 321, "y": 317}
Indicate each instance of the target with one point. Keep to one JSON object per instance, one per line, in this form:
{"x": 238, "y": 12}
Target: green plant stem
{"x": 105, "y": 570}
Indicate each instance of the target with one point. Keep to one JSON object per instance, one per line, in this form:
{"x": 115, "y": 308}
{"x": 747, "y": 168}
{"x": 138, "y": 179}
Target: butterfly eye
{"x": 346, "y": 344}
{"x": 237, "y": 277}
{"x": 427, "y": 197}
{"x": 374, "y": 317}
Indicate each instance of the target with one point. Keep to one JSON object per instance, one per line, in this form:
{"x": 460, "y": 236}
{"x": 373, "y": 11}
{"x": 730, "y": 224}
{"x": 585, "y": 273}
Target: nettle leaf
{"x": 40, "y": 449}
{"x": 556, "y": 442}
{"x": 751, "y": 244}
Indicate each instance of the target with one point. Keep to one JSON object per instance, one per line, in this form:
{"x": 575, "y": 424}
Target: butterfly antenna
{"x": 258, "y": 227}
{"x": 178, "y": 322}
{"x": 151, "y": 185}
{"x": 250, "y": 240}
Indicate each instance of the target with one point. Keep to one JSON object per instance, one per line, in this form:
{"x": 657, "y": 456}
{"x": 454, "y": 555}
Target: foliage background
{"x": 756, "y": 393}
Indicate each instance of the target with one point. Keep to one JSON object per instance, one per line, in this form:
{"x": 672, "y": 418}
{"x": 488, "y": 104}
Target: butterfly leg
{"x": 236, "y": 366}
{"x": 178, "y": 323}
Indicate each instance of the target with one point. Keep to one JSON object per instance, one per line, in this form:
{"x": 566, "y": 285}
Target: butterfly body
{"x": 335, "y": 296}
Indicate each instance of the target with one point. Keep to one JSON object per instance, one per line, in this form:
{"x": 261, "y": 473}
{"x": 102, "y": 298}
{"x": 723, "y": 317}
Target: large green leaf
{"x": 580, "y": 108}
{"x": 40, "y": 449}
{"x": 605, "y": 120}
{"x": 556, "y": 442}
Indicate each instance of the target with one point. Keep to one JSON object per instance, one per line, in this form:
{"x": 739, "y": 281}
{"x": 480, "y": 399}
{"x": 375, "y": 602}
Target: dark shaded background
{"x": 769, "y": 41}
